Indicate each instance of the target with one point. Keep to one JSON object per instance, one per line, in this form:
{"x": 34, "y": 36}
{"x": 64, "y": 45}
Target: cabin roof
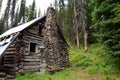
{"x": 4, "y": 44}
{"x": 20, "y": 27}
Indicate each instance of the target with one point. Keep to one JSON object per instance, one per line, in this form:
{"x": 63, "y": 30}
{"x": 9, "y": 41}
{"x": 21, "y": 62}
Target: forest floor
{"x": 94, "y": 65}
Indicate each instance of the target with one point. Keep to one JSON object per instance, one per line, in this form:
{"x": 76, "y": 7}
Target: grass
{"x": 94, "y": 65}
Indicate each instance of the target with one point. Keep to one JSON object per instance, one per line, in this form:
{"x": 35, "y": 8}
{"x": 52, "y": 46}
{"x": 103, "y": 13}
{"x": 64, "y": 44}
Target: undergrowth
{"x": 96, "y": 60}
{"x": 96, "y": 64}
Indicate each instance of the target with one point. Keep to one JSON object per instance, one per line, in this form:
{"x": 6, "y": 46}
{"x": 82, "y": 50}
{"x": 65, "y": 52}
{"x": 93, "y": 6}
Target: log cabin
{"x": 35, "y": 46}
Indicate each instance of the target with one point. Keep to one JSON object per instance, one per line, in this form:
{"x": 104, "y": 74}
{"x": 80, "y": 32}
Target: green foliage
{"x": 32, "y": 11}
{"x": 95, "y": 61}
{"x": 15, "y": 23}
{"x": 78, "y": 59}
{"x": 89, "y": 13}
{"x": 1, "y": 25}
{"x": 62, "y": 75}
{"x": 106, "y": 23}
{"x": 31, "y": 76}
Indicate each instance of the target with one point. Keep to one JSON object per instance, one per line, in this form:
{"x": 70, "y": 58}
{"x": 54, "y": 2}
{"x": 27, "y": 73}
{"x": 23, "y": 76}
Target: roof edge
{"x": 9, "y": 44}
{"x": 21, "y": 27}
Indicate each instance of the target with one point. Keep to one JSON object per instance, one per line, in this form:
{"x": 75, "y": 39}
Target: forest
{"x": 92, "y": 31}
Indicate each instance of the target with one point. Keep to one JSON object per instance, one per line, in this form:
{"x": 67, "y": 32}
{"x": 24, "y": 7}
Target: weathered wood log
{"x": 32, "y": 70}
{"x": 9, "y": 65}
{"x": 31, "y": 67}
{"x": 12, "y": 52}
{"x": 30, "y": 60}
{"x": 32, "y": 57}
{"x": 9, "y": 56}
{"x": 11, "y": 49}
{"x": 31, "y": 63}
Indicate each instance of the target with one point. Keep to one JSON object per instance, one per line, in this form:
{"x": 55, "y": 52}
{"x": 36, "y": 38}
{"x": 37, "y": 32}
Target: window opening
{"x": 33, "y": 47}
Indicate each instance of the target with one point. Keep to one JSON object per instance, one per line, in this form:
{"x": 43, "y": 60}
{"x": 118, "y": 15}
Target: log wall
{"x": 9, "y": 60}
{"x": 30, "y": 61}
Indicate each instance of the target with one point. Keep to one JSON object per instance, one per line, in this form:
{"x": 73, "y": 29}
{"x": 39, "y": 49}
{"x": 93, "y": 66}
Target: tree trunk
{"x": 7, "y": 15}
{"x": 76, "y": 24}
{"x": 21, "y": 19}
{"x": 61, "y": 6}
{"x": 39, "y": 13}
{"x": 83, "y": 15}
{"x": 12, "y": 12}
{"x": 0, "y": 5}
{"x": 77, "y": 36}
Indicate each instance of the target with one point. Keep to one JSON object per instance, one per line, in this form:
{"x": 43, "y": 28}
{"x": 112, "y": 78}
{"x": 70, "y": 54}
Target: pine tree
{"x": 32, "y": 12}
{"x": 21, "y": 18}
{"x": 39, "y": 13}
{"x": 90, "y": 9}
{"x": 2, "y": 25}
{"x": 0, "y": 5}
{"x": 6, "y": 15}
{"x": 69, "y": 22}
{"x": 56, "y": 5}
{"x": 106, "y": 20}
{"x": 9, "y": 14}
{"x": 76, "y": 25}
{"x": 83, "y": 23}
{"x": 61, "y": 13}
{"x": 15, "y": 23}
{"x": 12, "y": 13}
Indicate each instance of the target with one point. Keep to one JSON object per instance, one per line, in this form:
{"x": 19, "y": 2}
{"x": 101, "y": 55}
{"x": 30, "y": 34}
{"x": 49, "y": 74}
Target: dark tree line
{"x": 15, "y": 15}
{"x": 106, "y": 24}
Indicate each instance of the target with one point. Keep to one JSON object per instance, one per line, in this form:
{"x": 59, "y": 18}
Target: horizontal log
{"x": 29, "y": 38}
{"x": 31, "y": 64}
{"x": 32, "y": 57}
{"x": 13, "y": 44}
{"x": 9, "y": 59}
{"x": 9, "y": 65}
{"x": 10, "y": 76}
{"x": 32, "y": 34}
{"x": 30, "y": 60}
{"x": 8, "y": 70}
{"x": 31, "y": 70}
{"x": 12, "y": 52}
{"x": 9, "y": 62}
{"x": 9, "y": 56}
{"x": 31, "y": 67}
{"x": 33, "y": 31}
{"x": 25, "y": 42}
{"x": 11, "y": 49}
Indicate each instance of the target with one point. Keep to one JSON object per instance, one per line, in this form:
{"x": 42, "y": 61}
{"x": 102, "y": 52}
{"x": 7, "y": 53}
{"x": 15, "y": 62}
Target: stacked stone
{"x": 56, "y": 52}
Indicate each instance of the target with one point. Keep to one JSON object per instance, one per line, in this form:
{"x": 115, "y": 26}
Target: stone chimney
{"x": 55, "y": 52}
{"x": 50, "y": 20}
